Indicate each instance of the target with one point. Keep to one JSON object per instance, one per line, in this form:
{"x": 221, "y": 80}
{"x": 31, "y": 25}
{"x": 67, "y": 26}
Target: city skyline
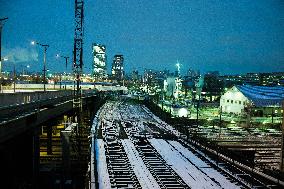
{"x": 231, "y": 37}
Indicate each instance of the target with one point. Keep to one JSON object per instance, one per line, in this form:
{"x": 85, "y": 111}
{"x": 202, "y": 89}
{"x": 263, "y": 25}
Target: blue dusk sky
{"x": 231, "y": 36}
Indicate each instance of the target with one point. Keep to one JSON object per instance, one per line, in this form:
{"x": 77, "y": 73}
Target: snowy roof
{"x": 263, "y": 96}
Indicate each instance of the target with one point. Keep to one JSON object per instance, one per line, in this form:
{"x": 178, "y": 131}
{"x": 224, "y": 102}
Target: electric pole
{"x": 66, "y": 63}
{"x": 282, "y": 142}
{"x": 78, "y": 49}
{"x": 78, "y": 65}
{"x": 1, "y": 26}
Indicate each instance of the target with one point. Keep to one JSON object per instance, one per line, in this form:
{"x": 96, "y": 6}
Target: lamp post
{"x": 3, "y": 59}
{"x": 24, "y": 69}
{"x": 14, "y": 78}
{"x": 1, "y": 26}
{"x": 44, "y": 61}
{"x": 282, "y": 142}
{"x": 66, "y": 62}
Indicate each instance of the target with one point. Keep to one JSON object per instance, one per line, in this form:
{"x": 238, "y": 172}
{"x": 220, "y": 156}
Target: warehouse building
{"x": 260, "y": 100}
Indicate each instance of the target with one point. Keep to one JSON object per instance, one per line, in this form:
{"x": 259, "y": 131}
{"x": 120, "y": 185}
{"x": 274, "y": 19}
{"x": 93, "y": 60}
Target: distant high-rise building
{"x": 117, "y": 70}
{"x": 135, "y": 75}
{"x": 99, "y": 63}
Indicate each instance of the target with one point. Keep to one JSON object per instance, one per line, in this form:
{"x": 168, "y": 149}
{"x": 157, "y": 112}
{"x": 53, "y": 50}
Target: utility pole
{"x": 44, "y": 61}
{"x": 44, "y": 66}
{"x": 272, "y": 114}
{"x": 66, "y": 63}
{"x": 282, "y": 142}
{"x": 14, "y": 78}
{"x": 198, "y": 92}
{"x": 1, "y": 26}
{"x": 220, "y": 121}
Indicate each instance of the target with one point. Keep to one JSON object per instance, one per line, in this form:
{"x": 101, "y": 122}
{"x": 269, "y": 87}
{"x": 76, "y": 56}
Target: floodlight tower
{"x": 78, "y": 49}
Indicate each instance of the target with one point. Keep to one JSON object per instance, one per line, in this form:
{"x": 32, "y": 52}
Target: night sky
{"x": 232, "y": 37}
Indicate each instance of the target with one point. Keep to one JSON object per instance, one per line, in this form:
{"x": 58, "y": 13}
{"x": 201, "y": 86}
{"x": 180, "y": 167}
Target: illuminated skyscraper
{"x": 117, "y": 68}
{"x": 99, "y": 63}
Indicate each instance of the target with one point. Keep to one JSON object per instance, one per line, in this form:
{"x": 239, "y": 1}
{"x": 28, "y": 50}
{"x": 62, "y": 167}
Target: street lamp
{"x": 1, "y": 26}
{"x": 44, "y": 61}
{"x": 4, "y": 60}
{"x": 66, "y": 62}
{"x": 24, "y": 69}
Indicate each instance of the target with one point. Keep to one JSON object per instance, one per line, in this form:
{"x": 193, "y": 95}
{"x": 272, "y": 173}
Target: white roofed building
{"x": 263, "y": 98}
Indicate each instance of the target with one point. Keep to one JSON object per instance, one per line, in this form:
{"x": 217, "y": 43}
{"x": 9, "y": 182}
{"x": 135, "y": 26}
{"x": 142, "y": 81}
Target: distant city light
{"x": 182, "y": 112}
{"x": 5, "y": 59}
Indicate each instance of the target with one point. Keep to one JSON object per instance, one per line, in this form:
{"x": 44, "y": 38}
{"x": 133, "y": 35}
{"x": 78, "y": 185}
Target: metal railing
{"x": 12, "y": 99}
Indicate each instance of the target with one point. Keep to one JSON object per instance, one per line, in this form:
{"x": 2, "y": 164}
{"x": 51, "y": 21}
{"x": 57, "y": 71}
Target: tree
{"x": 213, "y": 85}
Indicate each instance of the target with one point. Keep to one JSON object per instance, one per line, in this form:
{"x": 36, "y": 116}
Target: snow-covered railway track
{"x": 163, "y": 173}
{"x": 134, "y": 151}
{"x": 120, "y": 170}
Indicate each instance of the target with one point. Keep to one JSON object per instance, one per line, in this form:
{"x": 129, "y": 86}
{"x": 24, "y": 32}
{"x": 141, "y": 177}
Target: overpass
{"x": 22, "y": 111}
{"x": 31, "y": 145}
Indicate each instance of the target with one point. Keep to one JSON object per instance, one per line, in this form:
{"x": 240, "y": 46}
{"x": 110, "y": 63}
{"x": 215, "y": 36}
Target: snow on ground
{"x": 211, "y": 172}
{"x": 188, "y": 154}
{"x": 195, "y": 172}
{"x": 110, "y": 111}
{"x": 92, "y": 164}
{"x": 224, "y": 182}
{"x": 143, "y": 175}
{"x": 103, "y": 176}
{"x": 191, "y": 175}
{"x": 161, "y": 123}
{"x": 95, "y": 125}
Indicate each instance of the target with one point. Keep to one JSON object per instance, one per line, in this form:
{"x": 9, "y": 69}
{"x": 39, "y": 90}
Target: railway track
{"x": 120, "y": 171}
{"x": 134, "y": 161}
{"x": 163, "y": 173}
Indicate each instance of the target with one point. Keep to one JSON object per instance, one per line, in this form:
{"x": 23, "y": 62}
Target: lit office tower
{"x": 117, "y": 68}
{"x": 99, "y": 64}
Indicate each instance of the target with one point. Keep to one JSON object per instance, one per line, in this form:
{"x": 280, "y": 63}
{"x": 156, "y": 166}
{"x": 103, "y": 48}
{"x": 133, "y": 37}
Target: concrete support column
{"x": 49, "y": 139}
{"x": 66, "y": 146}
{"x": 36, "y": 156}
